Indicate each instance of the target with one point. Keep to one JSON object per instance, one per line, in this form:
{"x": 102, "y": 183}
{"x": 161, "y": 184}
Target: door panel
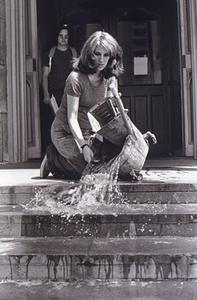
{"x": 32, "y": 90}
{"x": 144, "y": 93}
{"x": 148, "y": 110}
{"x": 141, "y": 45}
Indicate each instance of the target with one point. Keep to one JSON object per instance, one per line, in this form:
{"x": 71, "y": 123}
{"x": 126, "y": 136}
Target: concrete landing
{"x": 156, "y": 171}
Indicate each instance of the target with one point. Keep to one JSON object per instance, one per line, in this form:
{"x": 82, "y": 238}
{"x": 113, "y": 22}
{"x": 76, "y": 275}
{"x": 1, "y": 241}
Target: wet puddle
{"x": 91, "y": 192}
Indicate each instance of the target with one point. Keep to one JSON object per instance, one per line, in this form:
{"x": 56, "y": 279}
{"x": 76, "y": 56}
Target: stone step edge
{"x": 124, "y": 187}
{"x": 100, "y": 289}
{"x": 114, "y": 210}
{"x": 167, "y": 245}
{"x": 130, "y": 198}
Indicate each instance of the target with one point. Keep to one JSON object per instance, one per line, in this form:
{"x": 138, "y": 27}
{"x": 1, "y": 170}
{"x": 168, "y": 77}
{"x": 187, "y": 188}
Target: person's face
{"x": 63, "y": 37}
{"x": 101, "y": 57}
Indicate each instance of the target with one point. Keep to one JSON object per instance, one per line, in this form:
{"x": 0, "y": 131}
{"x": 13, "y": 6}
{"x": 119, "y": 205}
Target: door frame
{"x": 193, "y": 20}
{"x": 187, "y": 12}
{"x": 32, "y": 82}
{"x": 15, "y": 32}
{"x": 18, "y": 119}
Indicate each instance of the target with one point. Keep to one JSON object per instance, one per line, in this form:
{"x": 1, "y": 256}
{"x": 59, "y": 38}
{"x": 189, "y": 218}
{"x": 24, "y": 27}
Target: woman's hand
{"x": 88, "y": 154}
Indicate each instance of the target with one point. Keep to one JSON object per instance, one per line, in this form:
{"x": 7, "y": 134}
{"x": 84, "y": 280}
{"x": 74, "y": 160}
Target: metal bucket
{"x": 134, "y": 148}
{"x": 112, "y": 124}
{"x": 115, "y": 130}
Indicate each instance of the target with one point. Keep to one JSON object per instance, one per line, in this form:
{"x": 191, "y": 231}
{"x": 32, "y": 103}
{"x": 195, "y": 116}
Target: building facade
{"x": 159, "y": 85}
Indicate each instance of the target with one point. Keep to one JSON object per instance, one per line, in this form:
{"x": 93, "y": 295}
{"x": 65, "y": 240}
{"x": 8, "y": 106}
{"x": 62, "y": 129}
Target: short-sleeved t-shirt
{"x": 78, "y": 84}
{"x": 61, "y": 66}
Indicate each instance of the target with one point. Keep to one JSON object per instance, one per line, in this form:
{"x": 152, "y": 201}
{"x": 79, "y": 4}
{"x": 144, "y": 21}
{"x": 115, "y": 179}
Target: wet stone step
{"x": 156, "y": 187}
{"x": 80, "y": 259}
{"x": 97, "y": 208}
{"x": 111, "y": 226}
{"x": 161, "y": 197}
{"x": 124, "y": 186}
{"x": 96, "y": 246}
{"x": 98, "y": 225}
{"x": 131, "y": 192}
{"x": 15, "y": 199}
{"x": 99, "y": 290}
{"x": 17, "y": 195}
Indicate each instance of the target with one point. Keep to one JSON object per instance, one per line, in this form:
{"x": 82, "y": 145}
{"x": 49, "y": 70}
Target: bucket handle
{"x": 122, "y": 111}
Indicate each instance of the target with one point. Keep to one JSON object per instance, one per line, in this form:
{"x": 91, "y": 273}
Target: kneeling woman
{"x": 97, "y": 67}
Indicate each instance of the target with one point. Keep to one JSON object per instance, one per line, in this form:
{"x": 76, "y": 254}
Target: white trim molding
{"x": 22, "y": 81}
{"x": 193, "y": 33}
{"x": 16, "y": 80}
{"x": 187, "y": 21}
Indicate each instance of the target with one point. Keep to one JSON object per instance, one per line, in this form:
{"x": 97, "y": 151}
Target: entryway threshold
{"x": 155, "y": 171}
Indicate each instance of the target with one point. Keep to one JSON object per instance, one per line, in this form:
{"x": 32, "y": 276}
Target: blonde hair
{"x": 85, "y": 62}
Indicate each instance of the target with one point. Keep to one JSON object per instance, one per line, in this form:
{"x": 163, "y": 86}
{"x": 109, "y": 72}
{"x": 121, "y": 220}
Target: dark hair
{"x": 68, "y": 28}
{"x": 63, "y": 26}
{"x": 85, "y": 63}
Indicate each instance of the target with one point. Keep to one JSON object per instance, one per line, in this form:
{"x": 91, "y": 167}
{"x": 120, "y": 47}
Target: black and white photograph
{"x": 98, "y": 150}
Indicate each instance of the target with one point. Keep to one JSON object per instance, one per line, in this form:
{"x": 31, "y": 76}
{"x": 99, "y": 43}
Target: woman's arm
{"x": 72, "y": 113}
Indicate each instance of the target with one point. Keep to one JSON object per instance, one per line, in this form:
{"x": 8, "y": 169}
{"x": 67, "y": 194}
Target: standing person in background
{"x": 95, "y": 71}
{"x": 57, "y": 64}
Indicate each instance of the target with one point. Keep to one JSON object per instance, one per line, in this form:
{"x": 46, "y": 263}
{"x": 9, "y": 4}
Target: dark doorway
{"x": 147, "y": 31}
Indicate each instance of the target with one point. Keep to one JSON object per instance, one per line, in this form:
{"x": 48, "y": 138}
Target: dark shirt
{"x": 61, "y": 66}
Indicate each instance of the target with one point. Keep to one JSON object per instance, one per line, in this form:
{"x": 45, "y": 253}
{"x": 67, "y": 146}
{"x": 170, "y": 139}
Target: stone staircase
{"x": 144, "y": 243}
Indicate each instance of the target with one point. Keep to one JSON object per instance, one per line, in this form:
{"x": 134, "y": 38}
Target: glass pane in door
{"x": 142, "y": 55}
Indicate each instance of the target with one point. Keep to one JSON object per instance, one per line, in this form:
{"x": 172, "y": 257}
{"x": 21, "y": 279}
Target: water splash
{"x": 92, "y": 191}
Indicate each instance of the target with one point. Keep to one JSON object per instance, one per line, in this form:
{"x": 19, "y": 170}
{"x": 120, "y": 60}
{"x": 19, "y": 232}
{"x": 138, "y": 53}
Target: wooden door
{"x": 143, "y": 89}
{"x": 150, "y": 85}
{"x": 32, "y": 89}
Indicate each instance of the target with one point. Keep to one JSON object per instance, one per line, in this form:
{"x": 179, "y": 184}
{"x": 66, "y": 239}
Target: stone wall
{"x": 3, "y": 93}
